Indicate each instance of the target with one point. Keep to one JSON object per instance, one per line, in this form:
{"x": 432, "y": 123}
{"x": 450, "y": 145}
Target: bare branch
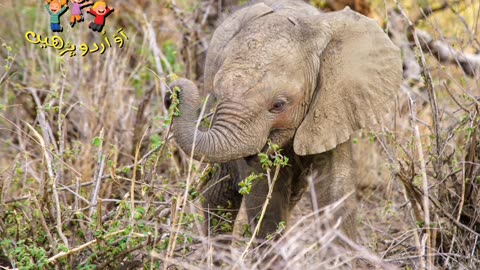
{"x": 444, "y": 53}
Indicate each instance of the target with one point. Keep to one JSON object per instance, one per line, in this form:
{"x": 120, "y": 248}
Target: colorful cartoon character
{"x": 100, "y": 10}
{"x": 56, "y": 8}
{"x": 76, "y": 10}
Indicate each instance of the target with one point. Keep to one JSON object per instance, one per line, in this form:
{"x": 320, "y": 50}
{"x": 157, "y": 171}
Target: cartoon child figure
{"x": 76, "y": 10}
{"x": 56, "y": 8}
{"x": 100, "y": 10}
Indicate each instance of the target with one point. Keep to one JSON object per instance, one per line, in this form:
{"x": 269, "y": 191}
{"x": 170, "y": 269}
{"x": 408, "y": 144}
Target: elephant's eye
{"x": 278, "y": 106}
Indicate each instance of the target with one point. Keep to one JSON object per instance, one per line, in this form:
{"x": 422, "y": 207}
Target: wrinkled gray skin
{"x": 306, "y": 80}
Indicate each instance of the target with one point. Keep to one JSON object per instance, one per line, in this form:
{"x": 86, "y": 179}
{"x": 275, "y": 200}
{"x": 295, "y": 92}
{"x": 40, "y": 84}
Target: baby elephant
{"x": 285, "y": 73}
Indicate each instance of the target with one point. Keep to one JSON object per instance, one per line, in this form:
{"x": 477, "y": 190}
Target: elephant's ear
{"x": 360, "y": 70}
{"x": 224, "y": 33}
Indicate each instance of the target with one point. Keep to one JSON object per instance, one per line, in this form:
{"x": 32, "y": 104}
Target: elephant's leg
{"x": 222, "y": 200}
{"x": 277, "y": 209}
{"x": 334, "y": 181}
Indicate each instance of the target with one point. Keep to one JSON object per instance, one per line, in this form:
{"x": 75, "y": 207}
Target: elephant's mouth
{"x": 253, "y": 159}
{"x": 280, "y": 137}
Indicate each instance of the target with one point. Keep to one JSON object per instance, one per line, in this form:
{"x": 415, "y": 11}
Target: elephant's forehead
{"x": 262, "y": 42}
{"x": 257, "y": 84}
{"x": 259, "y": 56}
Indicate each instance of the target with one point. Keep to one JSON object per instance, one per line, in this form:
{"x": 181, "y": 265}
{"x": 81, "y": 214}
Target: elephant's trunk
{"x": 232, "y": 135}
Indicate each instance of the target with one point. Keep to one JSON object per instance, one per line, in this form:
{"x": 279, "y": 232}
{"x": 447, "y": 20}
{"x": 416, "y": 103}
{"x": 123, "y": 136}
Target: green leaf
{"x": 97, "y": 142}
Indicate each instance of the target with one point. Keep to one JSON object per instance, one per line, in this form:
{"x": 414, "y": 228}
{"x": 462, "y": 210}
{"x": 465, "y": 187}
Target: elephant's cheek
{"x": 284, "y": 120}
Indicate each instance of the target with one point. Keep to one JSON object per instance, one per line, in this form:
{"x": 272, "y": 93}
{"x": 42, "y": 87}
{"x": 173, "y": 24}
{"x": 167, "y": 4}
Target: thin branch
{"x": 183, "y": 199}
{"x": 264, "y": 209}
{"x": 426, "y": 12}
{"x": 81, "y": 247}
{"x": 52, "y": 179}
{"x": 98, "y": 178}
{"x": 444, "y": 53}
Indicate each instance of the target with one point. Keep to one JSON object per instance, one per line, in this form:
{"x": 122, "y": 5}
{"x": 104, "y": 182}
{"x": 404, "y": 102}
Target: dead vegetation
{"x": 90, "y": 180}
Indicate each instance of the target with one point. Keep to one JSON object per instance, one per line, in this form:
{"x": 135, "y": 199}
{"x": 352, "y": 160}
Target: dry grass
{"x": 89, "y": 178}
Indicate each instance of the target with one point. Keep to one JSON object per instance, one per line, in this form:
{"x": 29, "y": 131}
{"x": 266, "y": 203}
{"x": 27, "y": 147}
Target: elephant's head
{"x": 289, "y": 74}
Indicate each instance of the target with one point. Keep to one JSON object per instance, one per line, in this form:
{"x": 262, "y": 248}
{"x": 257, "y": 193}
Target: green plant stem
{"x": 264, "y": 208}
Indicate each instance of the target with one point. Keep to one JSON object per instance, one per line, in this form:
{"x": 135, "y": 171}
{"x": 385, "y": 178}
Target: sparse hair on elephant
{"x": 282, "y": 71}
